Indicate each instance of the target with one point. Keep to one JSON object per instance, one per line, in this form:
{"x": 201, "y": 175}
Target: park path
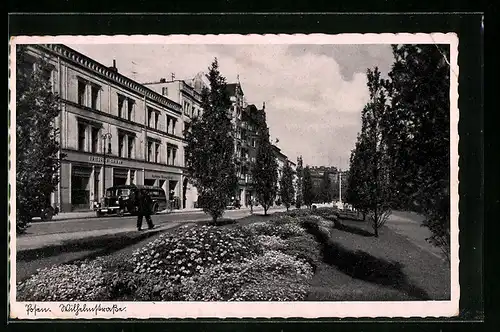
{"x": 409, "y": 225}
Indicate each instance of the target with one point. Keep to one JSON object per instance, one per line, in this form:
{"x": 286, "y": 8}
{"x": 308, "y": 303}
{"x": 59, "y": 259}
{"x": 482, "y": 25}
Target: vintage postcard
{"x": 245, "y": 176}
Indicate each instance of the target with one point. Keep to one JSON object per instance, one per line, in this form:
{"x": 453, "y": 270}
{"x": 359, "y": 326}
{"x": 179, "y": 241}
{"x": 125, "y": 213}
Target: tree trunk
{"x": 375, "y": 222}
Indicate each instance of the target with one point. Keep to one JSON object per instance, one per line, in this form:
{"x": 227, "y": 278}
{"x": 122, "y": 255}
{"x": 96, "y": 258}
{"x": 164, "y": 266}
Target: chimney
{"x": 113, "y": 68}
{"x": 162, "y": 80}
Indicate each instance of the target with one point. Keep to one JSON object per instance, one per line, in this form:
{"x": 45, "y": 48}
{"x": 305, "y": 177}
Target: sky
{"x": 313, "y": 94}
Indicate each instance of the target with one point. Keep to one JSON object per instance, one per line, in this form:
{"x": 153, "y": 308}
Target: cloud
{"x": 311, "y": 105}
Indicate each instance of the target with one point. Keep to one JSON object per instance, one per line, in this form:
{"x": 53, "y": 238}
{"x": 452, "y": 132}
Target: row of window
{"x": 89, "y": 139}
{"x": 89, "y": 95}
{"x": 154, "y": 121}
{"x": 154, "y": 149}
{"x": 190, "y": 110}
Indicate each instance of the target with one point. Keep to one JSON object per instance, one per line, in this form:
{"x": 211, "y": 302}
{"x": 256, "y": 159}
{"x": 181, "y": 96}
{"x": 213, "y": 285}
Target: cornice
{"x": 100, "y": 69}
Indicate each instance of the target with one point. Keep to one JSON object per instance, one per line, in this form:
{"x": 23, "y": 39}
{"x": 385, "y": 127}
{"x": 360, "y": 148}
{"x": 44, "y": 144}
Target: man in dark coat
{"x": 144, "y": 206}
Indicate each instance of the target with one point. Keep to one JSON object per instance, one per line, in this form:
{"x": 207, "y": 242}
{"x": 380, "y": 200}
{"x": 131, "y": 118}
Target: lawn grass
{"x": 359, "y": 267}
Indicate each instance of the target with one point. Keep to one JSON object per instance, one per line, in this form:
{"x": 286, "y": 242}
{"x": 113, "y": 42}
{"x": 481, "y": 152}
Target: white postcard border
{"x": 144, "y": 310}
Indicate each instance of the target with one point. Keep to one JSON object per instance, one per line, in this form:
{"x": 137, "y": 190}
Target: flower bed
{"x": 263, "y": 261}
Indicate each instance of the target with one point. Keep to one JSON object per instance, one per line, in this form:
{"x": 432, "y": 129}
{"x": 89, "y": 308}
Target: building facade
{"x": 113, "y": 130}
{"x": 188, "y": 95}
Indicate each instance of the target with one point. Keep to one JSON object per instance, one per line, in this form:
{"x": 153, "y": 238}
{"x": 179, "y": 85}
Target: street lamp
{"x": 104, "y": 137}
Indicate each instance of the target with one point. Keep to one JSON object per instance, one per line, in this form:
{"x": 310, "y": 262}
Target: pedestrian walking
{"x": 251, "y": 205}
{"x": 144, "y": 206}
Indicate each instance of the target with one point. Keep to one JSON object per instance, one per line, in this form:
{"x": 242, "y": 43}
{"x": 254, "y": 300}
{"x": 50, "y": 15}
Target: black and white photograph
{"x": 189, "y": 176}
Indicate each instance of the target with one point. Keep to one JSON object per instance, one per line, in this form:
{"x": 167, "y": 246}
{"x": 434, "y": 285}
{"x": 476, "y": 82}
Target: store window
{"x": 80, "y": 187}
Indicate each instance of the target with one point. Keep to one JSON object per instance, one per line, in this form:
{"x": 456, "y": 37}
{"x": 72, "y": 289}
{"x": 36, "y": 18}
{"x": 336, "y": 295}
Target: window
{"x": 81, "y": 93}
{"x": 157, "y": 153}
{"x": 82, "y": 128}
{"x": 150, "y": 151}
{"x": 121, "y": 102}
{"x": 173, "y": 126}
{"x": 130, "y": 107}
{"x": 171, "y": 154}
{"x": 174, "y": 155}
{"x": 157, "y": 117}
{"x": 164, "y": 91}
{"x": 131, "y": 145}
{"x": 121, "y": 145}
{"x": 94, "y": 95}
{"x": 150, "y": 117}
{"x": 192, "y": 111}
{"x": 95, "y": 139}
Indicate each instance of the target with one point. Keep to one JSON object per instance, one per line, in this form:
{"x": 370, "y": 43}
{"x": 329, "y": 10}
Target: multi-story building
{"x": 281, "y": 160}
{"x": 188, "y": 95}
{"x": 106, "y": 116}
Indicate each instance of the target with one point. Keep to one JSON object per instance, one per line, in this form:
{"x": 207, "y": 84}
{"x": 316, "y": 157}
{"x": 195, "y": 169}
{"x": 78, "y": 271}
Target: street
{"x": 114, "y": 222}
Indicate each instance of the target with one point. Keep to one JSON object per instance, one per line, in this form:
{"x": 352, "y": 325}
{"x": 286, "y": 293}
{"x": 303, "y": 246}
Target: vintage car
{"x": 121, "y": 199}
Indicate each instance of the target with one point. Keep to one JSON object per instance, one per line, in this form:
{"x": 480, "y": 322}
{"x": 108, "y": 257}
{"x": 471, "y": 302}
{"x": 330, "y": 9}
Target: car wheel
{"x": 98, "y": 214}
{"x": 46, "y": 215}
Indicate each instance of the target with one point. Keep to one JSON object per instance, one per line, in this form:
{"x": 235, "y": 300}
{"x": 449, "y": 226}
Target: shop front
{"x": 84, "y": 177}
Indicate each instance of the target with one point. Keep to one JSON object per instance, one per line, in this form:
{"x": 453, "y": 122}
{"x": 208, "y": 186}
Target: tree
{"x": 371, "y": 191}
{"x": 209, "y": 151}
{"x": 37, "y": 148}
{"x": 287, "y": 191}
{"x": 307, "y": 188}
{"x": 300, "y": 176}
{"x": 325, "y": 193}
{"x": 417, "y": 128}
{"x": 265, "y": 170}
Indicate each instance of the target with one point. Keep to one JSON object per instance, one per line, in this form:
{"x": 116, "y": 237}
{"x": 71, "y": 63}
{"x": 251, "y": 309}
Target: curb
{"x": 93, "y": 216}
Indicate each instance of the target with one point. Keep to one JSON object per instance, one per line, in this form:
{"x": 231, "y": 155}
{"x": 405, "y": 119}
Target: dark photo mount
{"x": 471, "y": 145}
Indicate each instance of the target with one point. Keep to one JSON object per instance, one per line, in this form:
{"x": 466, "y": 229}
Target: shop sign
{"x": 161, "y": 176}
{"x": 108, "y": 160}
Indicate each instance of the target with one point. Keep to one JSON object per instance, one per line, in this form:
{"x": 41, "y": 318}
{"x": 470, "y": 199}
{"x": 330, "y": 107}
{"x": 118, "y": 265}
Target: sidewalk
{"x": 26, "y": 243}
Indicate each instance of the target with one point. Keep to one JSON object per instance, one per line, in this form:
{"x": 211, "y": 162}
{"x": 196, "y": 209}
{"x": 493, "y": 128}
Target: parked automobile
{"x": 121, "y": 199}
{"x": 47, "y": 213}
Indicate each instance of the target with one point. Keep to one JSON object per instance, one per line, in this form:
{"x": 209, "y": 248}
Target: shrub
{"x": 283, "y": 231}
{"x": 84, "y": 281}
{"x": 243, "y": 281}
{"x": 273, "y": 288}
{"x": 303, "y": 247}
{"x": 271, "y": 242}
{"x": 299, "y": 213}
{"x": 284, "y": 219}
{"x": 191, "y": 251}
